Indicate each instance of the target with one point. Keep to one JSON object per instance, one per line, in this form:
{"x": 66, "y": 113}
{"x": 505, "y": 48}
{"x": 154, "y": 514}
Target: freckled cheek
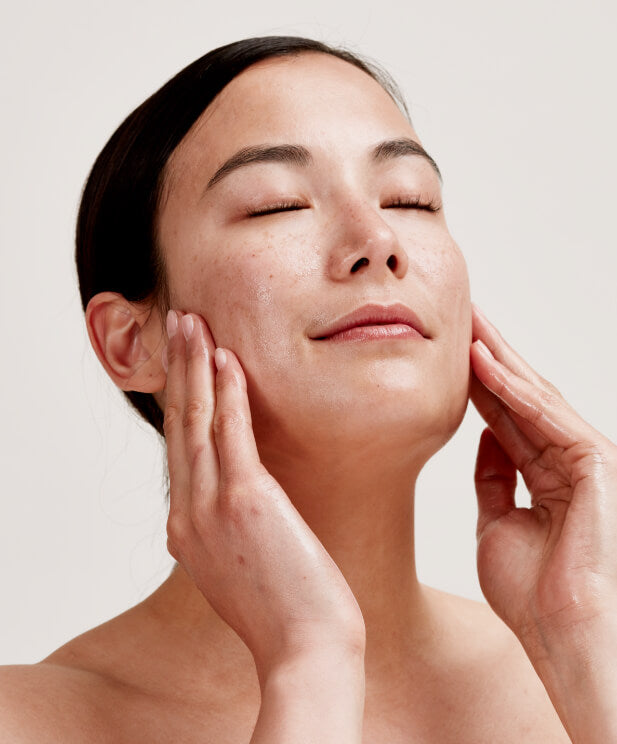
{"x": 246, "y": 297}
{"x": 442, "y": 269}
{"x": 444, "y": 274}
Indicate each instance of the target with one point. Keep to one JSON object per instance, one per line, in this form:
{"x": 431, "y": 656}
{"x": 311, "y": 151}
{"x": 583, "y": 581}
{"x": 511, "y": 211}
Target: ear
{"x": 128, "y": 339}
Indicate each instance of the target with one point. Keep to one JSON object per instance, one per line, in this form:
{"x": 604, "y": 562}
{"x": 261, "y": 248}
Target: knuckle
{"x": 550, "y": 388}
{"x": 171, "y": 416}
{"x": 178, "y": 530}
{"x": 227, "y": 423}
{"x": 172, "y": 550}
{"x": 194, "y": 413}
{"x": 200, "y": 517}
{"x": 548, "y": 399}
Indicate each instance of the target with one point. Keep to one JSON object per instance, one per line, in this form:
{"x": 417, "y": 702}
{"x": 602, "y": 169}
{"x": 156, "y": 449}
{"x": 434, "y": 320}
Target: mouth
{"x": 374, "y": 322}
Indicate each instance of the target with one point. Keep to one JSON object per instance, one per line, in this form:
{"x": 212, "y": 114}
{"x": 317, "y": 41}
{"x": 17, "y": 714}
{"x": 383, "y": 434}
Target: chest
{"x": 442, "y": 722}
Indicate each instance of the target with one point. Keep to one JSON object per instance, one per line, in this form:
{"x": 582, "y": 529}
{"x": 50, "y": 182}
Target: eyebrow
{"x": 300, "y": 156}
{"x": 398, "y": 148}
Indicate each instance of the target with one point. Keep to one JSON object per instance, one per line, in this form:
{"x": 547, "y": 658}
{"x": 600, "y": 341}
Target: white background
{"x": 515, "y": 101}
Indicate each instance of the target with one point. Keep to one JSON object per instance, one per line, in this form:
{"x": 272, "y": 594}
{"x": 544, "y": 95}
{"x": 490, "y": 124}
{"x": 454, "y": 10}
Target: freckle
{"x": 271, "y": 275}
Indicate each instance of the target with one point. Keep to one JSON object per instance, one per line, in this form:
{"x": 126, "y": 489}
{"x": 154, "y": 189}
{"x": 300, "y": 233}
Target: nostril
{"x": 392, "y": 263}
{"x": 360, "y": 262}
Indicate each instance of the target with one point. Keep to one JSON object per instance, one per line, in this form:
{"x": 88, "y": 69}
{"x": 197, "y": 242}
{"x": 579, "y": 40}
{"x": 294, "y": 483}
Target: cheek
{"x": 457, "y": 317}
{"x": 247, "y": 293}
{"x": 444, "y": 273}
{"x": 440, "y": 266}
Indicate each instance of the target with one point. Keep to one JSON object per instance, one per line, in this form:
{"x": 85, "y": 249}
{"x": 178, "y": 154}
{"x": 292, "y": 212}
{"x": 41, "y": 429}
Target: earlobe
{"x": 127, "y": 338}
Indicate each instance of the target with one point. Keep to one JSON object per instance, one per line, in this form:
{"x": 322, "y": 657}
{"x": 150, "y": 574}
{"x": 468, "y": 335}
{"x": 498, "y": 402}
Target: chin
{"x": 409, "y": 425}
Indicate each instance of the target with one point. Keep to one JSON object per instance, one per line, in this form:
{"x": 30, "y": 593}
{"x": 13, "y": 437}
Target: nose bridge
{"x": 363, "y": 242}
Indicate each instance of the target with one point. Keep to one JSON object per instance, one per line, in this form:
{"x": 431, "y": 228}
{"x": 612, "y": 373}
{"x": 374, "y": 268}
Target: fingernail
{"x": 220, "y": 358}
{"x": 187, "y": 326}
{"x": 484, "y": 349}
{"x": 172, "y": 323}
{"x": 164, "y": 358}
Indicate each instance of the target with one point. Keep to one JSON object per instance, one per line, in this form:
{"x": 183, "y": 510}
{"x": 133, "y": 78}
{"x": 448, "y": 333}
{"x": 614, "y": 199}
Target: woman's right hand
{"x": 231, "y": 526}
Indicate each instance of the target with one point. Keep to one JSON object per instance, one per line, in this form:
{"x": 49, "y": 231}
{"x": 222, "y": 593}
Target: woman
{"x": 264, "y": 257}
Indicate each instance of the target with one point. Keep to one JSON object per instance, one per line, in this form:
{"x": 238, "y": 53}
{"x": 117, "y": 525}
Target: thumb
{"x": 495, "y": 479}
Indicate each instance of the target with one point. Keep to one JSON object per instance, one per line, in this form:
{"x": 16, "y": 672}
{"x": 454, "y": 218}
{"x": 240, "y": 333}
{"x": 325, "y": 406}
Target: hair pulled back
{"x": 116, "y": 242}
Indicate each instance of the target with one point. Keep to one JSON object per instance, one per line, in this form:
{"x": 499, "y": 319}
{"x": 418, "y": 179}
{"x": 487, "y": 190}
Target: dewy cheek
{"x": 262, "y": 294}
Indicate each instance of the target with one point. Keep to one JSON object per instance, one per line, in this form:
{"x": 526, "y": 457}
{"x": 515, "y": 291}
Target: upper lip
{"x": 373, "y": 314}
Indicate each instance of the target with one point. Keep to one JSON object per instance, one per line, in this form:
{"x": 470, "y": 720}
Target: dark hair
{"x": 116, "y": 241}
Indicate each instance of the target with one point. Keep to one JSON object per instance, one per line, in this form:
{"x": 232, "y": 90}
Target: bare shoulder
{"x": 505, "y": 698}
{"x": 105, "y": 686}
{"x": 46, "y": 702}
{"x": 79, "y": 693}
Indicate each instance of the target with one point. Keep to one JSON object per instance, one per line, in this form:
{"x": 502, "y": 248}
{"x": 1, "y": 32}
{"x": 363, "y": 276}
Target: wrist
{"x": 314, "y": 649}
{"x": 578, "y": 667}
{"x": 313, "y": 661}
{"x": 313, "y": 697}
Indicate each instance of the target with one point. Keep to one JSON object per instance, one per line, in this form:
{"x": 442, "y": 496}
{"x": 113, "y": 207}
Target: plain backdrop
{"x": 515, "y": 101}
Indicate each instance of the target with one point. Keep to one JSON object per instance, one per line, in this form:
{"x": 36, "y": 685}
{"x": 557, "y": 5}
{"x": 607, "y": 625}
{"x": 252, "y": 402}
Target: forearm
{"x": 314, "y": 700}
{"x": 579, "y": 673}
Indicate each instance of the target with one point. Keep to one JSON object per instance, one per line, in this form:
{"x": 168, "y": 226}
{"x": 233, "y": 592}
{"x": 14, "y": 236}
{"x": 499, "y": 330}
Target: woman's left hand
{"x": 549, "y": 570}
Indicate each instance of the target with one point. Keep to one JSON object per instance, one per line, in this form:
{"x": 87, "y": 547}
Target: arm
{"x": 579, "y": 673}
{"x": 313, "y": 700}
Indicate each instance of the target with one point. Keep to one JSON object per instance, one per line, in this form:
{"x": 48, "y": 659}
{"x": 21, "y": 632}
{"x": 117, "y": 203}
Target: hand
{"x": 551, "y": 568}
{"x": 231, "y": 526}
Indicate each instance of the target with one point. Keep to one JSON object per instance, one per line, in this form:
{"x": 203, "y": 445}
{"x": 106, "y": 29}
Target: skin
{"x": 437, "y": 667}
{"x": 264, "y": 285}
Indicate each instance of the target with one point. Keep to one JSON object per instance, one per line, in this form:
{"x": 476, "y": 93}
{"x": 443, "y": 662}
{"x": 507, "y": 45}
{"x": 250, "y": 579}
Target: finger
{"x": 233, "y": 431}
{"x": 207, "y": 335}
{"x": 545, "y": 410}
{"x": 179, "y": 474}
{"x": 495, "y": 479}
{"x": 485, "y": 331}
{"x": 519, "y": 439}
{"x": 199, "y": 410}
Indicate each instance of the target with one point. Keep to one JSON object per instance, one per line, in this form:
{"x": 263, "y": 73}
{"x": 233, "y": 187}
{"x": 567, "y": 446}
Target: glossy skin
{"x": 549, "y": 571}
{"x": 265, "y": 284}
{"x": 338, "y": 435}
{"x": 564, "y": 583}
{"x": 268, "y": 287}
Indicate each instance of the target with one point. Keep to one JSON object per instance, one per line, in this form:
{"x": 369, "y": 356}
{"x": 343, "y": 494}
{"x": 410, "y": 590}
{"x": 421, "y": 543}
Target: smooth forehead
{"x": 312, "y": 98}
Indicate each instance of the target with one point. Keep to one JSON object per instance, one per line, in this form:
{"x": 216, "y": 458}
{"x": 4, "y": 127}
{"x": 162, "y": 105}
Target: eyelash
{"x": 399, "y": 203}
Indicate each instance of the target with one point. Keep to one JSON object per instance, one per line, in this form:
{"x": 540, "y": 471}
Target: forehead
{"x": 311, "y": 98}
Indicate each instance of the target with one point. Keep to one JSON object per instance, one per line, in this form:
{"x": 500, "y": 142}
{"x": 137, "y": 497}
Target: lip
{"x": 374, "y": 315}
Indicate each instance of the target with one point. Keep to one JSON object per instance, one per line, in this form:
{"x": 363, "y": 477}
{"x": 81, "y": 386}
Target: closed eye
{"x": 272, "y": 209}
{"x": 399, "y": 203}
{"x": 413, "y": 203}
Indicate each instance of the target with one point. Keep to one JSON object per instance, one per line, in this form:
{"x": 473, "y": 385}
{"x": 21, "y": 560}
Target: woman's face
{"x": 335, "y": 236}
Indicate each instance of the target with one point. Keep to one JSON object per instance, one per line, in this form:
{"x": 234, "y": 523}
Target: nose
{"x": 364, "y": 243}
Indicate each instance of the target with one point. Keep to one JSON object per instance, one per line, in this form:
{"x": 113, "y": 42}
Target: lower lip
{"x": 375, "y": 333}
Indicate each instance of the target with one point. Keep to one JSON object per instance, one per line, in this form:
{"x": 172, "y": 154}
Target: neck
{"x": 365, "y": 520}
